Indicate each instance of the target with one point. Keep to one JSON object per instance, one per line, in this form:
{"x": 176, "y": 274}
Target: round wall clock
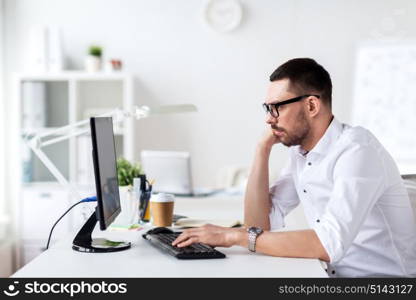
{"x": 223, "y": 15}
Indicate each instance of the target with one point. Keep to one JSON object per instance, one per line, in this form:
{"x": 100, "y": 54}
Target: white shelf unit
{"x": 68, "y": 97}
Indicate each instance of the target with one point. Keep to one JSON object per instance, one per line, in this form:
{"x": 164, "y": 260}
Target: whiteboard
{"x": 385, "y": 97}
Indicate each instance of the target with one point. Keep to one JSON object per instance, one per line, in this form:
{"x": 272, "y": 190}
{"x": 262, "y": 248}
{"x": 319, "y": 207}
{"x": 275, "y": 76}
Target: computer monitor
{"x": 106, "y": 184}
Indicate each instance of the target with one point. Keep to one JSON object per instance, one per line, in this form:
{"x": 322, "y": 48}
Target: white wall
{"x": 177, "y": 59}
{"x": 5, "y": 247}
{"x": 2, "y": 115}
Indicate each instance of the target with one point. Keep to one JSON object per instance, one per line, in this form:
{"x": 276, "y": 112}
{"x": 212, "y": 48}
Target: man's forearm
{"x": 257, "y": 199}
{"x": 302, "y": 243}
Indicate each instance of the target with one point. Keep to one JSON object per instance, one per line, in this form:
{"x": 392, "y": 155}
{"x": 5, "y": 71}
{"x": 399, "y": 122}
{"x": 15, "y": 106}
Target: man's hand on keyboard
{"x": 212, "y": 235}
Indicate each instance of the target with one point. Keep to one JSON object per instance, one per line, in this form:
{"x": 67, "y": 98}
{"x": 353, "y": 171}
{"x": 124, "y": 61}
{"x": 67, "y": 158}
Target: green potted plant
{"x": 95, "y": 51}
{"x": 93, "y": 60}
{"x": 126, "y": 172}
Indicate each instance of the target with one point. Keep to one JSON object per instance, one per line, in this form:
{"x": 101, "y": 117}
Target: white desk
{"x": 143, "y": 260}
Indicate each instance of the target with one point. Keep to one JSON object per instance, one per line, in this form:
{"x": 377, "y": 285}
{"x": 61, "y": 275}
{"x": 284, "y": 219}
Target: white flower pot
{"x": 92, "y": 64}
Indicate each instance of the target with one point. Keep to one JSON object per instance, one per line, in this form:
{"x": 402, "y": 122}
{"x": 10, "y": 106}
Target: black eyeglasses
{"x": 273, "y": 109}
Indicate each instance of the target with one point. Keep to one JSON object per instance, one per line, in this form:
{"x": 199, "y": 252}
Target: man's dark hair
{"x": 306, "y": 76}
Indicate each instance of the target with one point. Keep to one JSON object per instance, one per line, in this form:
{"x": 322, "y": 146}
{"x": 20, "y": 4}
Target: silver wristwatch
{"x": 253, "y": 233}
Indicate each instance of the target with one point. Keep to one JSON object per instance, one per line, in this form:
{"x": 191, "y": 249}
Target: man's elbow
{"x": 323, "y": 255}
{"x": 321, "y": 252}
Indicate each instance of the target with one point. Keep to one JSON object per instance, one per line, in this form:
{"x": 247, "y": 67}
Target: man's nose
{"x": 271, "y": 120}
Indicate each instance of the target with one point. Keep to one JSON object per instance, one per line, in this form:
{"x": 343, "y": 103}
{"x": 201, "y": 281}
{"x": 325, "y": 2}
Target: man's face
{"x": 292, "y": 126}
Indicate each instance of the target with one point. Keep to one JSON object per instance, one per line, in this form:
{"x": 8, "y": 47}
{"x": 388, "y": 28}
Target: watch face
{"x": 255, "y": 230}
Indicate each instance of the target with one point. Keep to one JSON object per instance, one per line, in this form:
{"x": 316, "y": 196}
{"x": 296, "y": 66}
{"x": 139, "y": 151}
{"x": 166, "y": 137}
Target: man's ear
{"x": 314, "y": 106}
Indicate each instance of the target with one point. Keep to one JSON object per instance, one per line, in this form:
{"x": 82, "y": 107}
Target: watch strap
{"x": 253, "y": 233}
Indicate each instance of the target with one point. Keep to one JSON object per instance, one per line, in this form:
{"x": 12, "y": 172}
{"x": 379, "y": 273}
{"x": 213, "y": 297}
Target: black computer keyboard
{"x": 164, "y": 241}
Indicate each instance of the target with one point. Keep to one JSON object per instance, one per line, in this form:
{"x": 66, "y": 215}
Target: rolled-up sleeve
{"x": 284, "y": 198}
{"x": 359, "y": 181}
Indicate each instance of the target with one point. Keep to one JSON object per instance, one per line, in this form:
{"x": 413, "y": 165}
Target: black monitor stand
{"x": 83, "y": 241}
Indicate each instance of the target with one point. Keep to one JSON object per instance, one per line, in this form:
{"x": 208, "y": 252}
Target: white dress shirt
{"x": 354, "y": 199}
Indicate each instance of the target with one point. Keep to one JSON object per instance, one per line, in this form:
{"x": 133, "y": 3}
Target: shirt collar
{"x": 330, "y": 136}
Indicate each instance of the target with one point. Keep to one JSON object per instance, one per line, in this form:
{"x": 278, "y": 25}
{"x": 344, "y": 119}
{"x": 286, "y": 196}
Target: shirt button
{"x": 304, "y": 191}
{"x": 309, "y": 164}
{"x": 318, "y": 221}
{"x": 333, "y": 272}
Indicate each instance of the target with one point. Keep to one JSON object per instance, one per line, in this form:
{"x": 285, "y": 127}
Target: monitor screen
{"x": 105, "y": 169}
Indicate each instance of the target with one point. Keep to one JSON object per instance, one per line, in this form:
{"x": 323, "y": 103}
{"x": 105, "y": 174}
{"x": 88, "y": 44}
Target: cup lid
{"x": 162, "y": 197}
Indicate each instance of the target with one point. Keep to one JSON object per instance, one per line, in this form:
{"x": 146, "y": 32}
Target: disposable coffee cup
{"x": 161, "y": 209}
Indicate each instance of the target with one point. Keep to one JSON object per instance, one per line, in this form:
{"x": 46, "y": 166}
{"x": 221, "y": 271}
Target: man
{"x": 360, "y": 217}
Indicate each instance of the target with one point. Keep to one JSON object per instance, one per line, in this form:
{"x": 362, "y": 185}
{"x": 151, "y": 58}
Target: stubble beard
{"x": 298, "y": 134}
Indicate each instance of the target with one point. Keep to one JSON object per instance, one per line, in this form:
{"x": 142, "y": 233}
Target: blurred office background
{"x": 217, "y": 55}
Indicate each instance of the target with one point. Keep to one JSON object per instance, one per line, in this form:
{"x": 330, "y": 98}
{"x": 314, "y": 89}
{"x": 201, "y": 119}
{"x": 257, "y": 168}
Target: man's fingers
{"x": 186, "y": 234}
{"x": 183, "y": 236}
{"x": 188, "y": 242}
